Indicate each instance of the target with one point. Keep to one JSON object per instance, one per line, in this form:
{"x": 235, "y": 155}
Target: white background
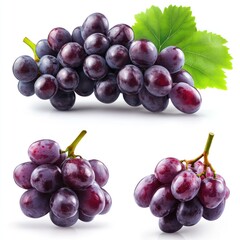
{"x": 129, "y": 141}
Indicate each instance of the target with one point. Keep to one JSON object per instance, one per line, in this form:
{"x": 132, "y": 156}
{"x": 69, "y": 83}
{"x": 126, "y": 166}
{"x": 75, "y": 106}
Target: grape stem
{"x": 204, "y": 155}
{"x": 71, "y": 148}
{"x": 32, "y": 45}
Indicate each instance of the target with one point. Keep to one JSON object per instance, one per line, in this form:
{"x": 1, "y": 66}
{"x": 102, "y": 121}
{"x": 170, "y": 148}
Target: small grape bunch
{"x": 180, "y": 193}
{"x": 65, "y": 185}
{"x": 108, "y": 62}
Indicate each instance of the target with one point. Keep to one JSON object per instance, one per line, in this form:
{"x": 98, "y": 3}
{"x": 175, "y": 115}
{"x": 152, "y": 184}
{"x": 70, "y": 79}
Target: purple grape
{"x": 132, "y": 99}
{"x": 108, "y": 202}
{"x": 101, "y": 172}
{"x": 106, "y": 90}
{"x": 158, "y": 81}
{"x": 121, "y": 34}
{"x": 189, "y": 213}
{"x": 212, "y": 192}
{"x": 26, "y": 88}
{"x": 77, "y": 36}
{"x": 63, "y": 101}
{"x": 167, "y": 169}
{"x": 143, "y": 53}
{"x": 130, "y": 79}
{"x": 77, "y": 173}
{"x": 163, "y": 202}
{"x": 63, "y": 222}
{"x": 44, "y": 151}
{"x": 64, "y": 203}
{"x": 57, "y": 37}
{"x": 71, "y": 55}
{"x": 182, "y": 76}
{"x": 117, "y": 56}
{"x": 212, "y": 214}
{"x": 172, "y": 58}
{"x": 67, "y": 79}
{"x": 169, "y": 223}
{"x": 46, "y": 178}
{"x": 46, "y": 86}
{"x": 153, "y": 103}
{"x": 94, "y": 23}
{"x": 96, "y": 43}
{"x": 25, "y": 68}
{"x": 185, "y": 185}
{"x": 227, "y": 193}
{"x": 34, "y": 204}
{"x": 49, "y": 64}
{"x": 91, "y": 200}
{"x": 185, "y": 98}
{"x": 145, "y": 190}
{"x": 43, "y": 48}
{"x": 84, "y": 218}
{"x": 61, "y": 160}
{"x": 95, "y": 67}
{"x": 22, "y": 174}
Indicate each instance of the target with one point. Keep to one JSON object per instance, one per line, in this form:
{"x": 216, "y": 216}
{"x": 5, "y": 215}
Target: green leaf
{"x": 205, "y": 53}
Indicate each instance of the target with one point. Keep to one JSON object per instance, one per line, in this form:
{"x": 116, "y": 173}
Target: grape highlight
{"x": 68, "y": 64}
{"x": 62, "y": 183}
{"x": 181, "y": 192}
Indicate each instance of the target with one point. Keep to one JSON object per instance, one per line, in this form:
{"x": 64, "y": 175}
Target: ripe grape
{"x": 26, "y": 88}
{"x": 132, "y": 99}
{"x": 63, "y": 222}
{"x": 212, "y": 214}
{"x": 43, "y": 48}
{"x": 49, "y": 64}
{"x": 77, "y": 36}
{"x": 182, "y": 76}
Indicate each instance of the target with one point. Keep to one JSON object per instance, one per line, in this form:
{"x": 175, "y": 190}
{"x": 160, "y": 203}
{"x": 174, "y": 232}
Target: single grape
{"x": 25, "y": 68}
{"x": 44, "y": 151}
{"x": 77, "y": 36}
{"x": 26, "y": 88}
{"x": 132, "y": 99}
{"x": 189, "y": 213}
{"x": 71, "y": 55}
{"x": 130, "y": 79}
{"x": 145, "y": 190}
{"x": 227, "y": 193}
{"x": 185, "y": 185}
{"x": 96, "y": 43}
{"x": 77, "y": 173}
{"x": 172, "y": 58}
{"x": 63, "y": 101}
{"x": 163, "y": 202}
{"x": 63, "y": 222}
{"x": 212, "y": 192}
{"x": 167, "y": 169}
{"x": 153, "y": 103}
{"x": 64, "y": 203}
{"x": 84, "y": 218}
{"x": 182, "y": 76}
{"x": 212, "y": 214}
{"x": 121, "y": 34}
{"x": 91, "y": 200}
{"x": 67, "y": 79}
{"x": 45, "y": 86}
{"x": 61, "y": 159}
{"x": 94, "y": 23}
{"x": 185, "y": 98}
{"x": 85, "y": 86}
{"x": 46, "y": 178}
{"x": 22, "y": 174}
{"x": 57, "y": 37}
{"x": 34, "y": 204}
{"x": 95, "y": 67}
{"x": 106, "y": 90}
{"x": 49, "y": 64}
{"x": 169, "y": 223}
{"x": 101, "y": 172}
{"x": 43, "y": 48}
{"x": 117, "y": 56}
{"x": 197, "y": 167}
{"x": 108, "y": 202}
{"x": 143, "y": 53}
{"x": 158, "y": 81}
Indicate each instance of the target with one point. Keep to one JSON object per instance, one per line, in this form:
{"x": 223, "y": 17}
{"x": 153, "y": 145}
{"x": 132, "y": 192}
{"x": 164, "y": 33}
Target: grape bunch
{"x": 180, "y": 193}
{"x": 107, "y": 62}
{"x": 65, "y": 185}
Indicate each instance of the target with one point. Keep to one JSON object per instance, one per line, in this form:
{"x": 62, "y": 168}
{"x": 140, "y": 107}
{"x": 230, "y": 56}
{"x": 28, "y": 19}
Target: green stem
{"x": 208, "y": 143}
{"x": 71, "y": 148}
{"x": 32, "y": 46}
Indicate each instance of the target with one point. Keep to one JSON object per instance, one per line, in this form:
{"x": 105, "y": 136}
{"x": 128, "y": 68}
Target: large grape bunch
{"x": 65, "y": 185}
{"x": 108, "y": 62}
{"x": 180, "y": 193}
